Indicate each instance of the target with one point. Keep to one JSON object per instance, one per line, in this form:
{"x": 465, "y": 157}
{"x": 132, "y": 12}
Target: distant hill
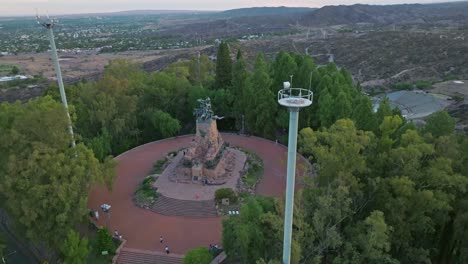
{"x": 388, "y": 14}
{"x": 141, "y": 13}
{"x": 266, "y": 11}
{"x": 159, "y": 12}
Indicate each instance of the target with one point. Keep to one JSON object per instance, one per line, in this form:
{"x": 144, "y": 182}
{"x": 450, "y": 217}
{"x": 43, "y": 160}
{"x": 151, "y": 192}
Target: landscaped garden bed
{"x": 146, "y": 194}
{"x": 253, "y": 170}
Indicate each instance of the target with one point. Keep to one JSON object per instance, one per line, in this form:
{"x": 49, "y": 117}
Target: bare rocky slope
{"x": 388, "y": 14}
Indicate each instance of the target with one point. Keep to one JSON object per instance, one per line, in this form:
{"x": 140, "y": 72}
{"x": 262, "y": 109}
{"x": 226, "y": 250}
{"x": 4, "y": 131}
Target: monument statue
{"x": 208, "y": 160}
{"x": 205, "y": 112}
{"x": 207, "y": 157}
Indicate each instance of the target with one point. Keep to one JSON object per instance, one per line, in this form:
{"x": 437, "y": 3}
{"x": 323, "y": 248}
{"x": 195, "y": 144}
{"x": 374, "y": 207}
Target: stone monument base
{"x": 227, "y": 167}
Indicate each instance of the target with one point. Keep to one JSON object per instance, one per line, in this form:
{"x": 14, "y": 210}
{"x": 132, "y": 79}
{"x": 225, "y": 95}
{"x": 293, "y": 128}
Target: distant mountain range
{"x": 267, "y": 11}
{"x": 241, "y": 12}
{"x": 159, "y": 12}
{"x": 388, "y": 14}
{"x": 328, "y": 15}
{"x": 335, "y": 15}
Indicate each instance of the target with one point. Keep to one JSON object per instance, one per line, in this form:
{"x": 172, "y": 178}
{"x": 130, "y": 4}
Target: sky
{"x": 53, "y": 7}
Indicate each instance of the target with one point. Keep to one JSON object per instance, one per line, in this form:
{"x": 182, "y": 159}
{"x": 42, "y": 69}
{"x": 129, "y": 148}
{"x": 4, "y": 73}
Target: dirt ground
{"x": 452, "y": 88}
{"x": 78, "y": 65}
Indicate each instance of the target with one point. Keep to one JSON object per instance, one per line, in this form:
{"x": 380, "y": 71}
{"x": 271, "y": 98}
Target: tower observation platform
{"x": 295, "y": 97}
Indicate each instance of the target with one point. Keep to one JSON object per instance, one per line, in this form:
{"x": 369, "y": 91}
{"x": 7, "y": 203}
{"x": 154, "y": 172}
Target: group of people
{"x": 161, "y": 240}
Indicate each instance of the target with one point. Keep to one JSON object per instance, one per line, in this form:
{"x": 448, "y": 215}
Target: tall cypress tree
{"x": 283, "y": 67}
{"x": 240, "y": 89}
{"x": 223, "y": 67}
{"x": 260, "y": 118}
{"x": 239, "y": 54}
{"x": 363, "y": 114}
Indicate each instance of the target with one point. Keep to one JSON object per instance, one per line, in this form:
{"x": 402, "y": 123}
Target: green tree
{"x": 241, "y": 89}
{"x": 201, "y": 70}
{"x": 158, "y": 124}
{"x": 164, "y": 91}
{"x": 101, "y": 144}
{"x": 305, "y": 73}
{"x": 369, "y": 241}
{"x": 74, "y": 250}
{"x": 255, "y": 233}
{"x": 384, "y": 110}
{"x": 440, "y": 124}
{"x": 262, "y": 107}
{"x": 51, "y": 194}
{"x": 282, "y": 68}
{"x": 326, "y": 110}
{"x": 343, "y": 107}
{"x": 199, "y": 255}
{"x": 108, "y": 104}
{"x": 363, "y": 114}
{"x": 122, "y": 69}
{"x": 14, "y": 70}
{"x": 239, "y": 54}
{"x": 223, "y": 67}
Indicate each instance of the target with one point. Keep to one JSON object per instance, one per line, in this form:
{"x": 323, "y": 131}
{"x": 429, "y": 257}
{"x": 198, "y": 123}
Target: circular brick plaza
{"x": 142, "y": 228}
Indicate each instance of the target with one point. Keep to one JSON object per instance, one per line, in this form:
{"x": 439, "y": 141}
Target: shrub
{"x": 225, "y": 193}
{"x": 403, "y": 86}
{"x": 199, "y": 255}
{"x": 423, "y": 84}
{"x": 148, "y": 181}
{"x": 158, "y": 166}
{"x": 458, "y": 98}
{"x": 146, "y": 195}
{"x": 105, "y": 242}
{"x": 254, "y": 171}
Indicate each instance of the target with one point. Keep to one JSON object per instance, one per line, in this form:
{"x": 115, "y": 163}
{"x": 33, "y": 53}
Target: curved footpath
{"x": 142, "y": 228}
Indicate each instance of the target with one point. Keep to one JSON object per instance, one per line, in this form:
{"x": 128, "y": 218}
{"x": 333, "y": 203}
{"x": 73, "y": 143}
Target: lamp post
{"x": 294, "y": 99}
{"x": 49, "y": 24}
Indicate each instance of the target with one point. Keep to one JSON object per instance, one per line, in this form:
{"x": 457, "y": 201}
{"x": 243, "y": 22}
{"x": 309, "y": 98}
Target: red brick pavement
{"x": 142, "y": 228}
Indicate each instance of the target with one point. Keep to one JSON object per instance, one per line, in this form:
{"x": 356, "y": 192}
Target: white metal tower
{"x": 294, "y": 99}
{"x": 49, "y": 24}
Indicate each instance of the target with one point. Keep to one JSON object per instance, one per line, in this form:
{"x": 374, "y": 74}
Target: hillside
{"x": 389, "y": 14}
{"x": 266, "y": 11}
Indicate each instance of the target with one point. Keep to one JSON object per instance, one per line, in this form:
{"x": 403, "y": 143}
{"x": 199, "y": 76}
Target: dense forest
{"x": 383, "y": 191}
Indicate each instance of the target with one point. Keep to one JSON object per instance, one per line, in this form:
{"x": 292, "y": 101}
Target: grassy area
{"x": 146, "y": 195}
{"x": 254, "y": 169}
{"x": 5, "y": 68}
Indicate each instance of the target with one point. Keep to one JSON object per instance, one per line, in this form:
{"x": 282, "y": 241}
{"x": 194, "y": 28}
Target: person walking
{"x": 161, "y": 239}
{"x": 167, "y": 250}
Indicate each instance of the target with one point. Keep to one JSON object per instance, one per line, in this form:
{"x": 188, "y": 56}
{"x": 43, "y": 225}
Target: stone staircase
{"x": 174, "y": 207}
{"x": 134, "y": 256}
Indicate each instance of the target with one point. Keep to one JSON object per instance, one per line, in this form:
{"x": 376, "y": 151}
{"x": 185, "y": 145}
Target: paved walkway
{"x": 142, "y": 228}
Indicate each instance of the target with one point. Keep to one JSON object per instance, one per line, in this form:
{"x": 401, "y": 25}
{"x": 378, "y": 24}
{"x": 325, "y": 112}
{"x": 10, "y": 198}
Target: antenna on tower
{"x": 49, "y": 24}
{"x": 290, "y": 77}
{"x": 310, "y": 81}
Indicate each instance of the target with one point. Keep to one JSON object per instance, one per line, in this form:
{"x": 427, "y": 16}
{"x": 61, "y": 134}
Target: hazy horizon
{"x": 61, "y": 7}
